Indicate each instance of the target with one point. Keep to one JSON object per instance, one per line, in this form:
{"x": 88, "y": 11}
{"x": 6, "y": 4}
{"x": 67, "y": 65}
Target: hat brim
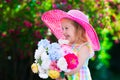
{"x": 52, "y": 19}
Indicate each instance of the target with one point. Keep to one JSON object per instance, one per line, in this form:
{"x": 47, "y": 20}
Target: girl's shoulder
{"x": 90, "y": 49}
{"x": 84, "y": 46}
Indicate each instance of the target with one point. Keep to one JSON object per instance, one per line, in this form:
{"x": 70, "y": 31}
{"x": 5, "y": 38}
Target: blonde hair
{"x": 80, "y": 33}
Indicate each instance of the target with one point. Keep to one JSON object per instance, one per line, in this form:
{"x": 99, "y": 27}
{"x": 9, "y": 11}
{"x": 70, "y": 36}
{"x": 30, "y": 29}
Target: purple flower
{"x": 55, "y": 51}
{"x": 44, "y": 42}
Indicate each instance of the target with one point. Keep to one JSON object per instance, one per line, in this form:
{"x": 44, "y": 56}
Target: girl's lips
{"x": 66, "y": 37}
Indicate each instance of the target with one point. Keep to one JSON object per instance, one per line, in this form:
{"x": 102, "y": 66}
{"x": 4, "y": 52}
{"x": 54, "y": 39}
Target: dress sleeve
{"x": 91, "y": 51}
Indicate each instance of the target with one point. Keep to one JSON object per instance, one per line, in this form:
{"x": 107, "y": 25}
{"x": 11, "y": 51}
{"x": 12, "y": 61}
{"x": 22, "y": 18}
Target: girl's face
{"x": 69, "y": 31}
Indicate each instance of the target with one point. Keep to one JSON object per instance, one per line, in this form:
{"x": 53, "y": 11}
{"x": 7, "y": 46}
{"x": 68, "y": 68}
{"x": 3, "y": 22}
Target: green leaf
{"x": 40, "y": 61}
{"x": 62, "y": 74}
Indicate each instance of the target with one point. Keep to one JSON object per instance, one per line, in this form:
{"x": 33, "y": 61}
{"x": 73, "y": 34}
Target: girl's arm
{"x": 83, "y": 55}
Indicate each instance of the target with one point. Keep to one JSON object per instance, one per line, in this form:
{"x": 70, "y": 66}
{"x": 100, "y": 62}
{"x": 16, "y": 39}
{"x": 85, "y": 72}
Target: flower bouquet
{"x": 53, "y": 59}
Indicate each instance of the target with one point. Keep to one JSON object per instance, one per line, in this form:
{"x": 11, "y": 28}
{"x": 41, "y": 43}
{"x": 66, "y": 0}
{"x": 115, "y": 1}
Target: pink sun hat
{"x": 53, "y": 18}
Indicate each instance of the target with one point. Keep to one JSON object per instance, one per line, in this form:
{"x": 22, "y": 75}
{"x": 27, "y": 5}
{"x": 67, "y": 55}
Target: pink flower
{"x": 37, "y": 34}
{"x": 116, "y": 41}
{"x": 54, "y": 6}
{"x": 38, "y": 2}
{"x": 27, "y": 24}
{"x": 4, "y": 34}
{"x": 11, "y": 31}
{"x": 72, "y": 60}
{"x": 67, "y": 49}
{"x": 8, "y": 1}
{"x": 69, "y": 7}
{"x": 64, "y": 1}
{"x": 53, "y": 66}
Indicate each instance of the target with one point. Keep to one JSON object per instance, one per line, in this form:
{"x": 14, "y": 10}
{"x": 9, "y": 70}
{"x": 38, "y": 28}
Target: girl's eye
{"x": 66, "y": 27}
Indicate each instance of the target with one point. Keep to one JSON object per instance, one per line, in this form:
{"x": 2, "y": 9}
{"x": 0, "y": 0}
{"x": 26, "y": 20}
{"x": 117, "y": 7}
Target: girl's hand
{"x": 69, "y": 73}
{"x": 72, "y": 71}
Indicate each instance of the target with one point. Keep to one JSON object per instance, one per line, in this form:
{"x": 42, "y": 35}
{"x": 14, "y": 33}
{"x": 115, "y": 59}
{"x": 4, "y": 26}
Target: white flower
{"x": 62, "y": 41}
{"x": 62, "y": 64}
{"x": 38, "y": 52}
{"x": 49, "y": 32}
{"x": 45, "y": 61}
{"x": 42, "y": 73}
{"x": 45, "y": 64}
{"x": 44, "y": 56}
{"x": 44, "y": 76}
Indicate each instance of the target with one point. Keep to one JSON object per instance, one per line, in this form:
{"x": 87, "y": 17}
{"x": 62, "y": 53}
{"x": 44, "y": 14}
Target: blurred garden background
{"x": 21, "y": 28}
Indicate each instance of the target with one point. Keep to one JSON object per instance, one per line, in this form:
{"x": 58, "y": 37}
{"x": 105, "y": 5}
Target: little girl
{"x": 74, "y": 26}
